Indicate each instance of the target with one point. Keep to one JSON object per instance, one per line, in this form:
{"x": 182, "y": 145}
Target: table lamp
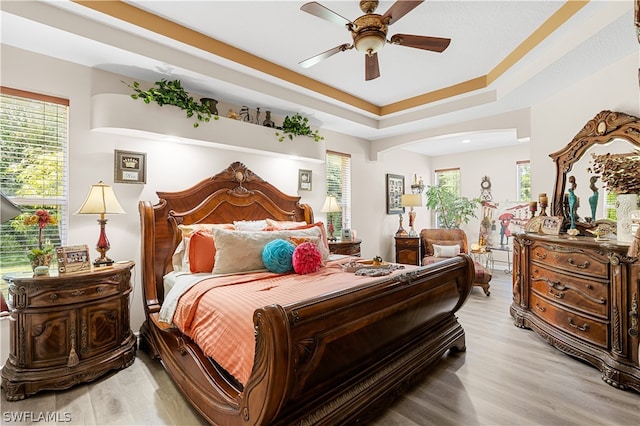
{"x": 101, "y": 200}
{"x": 330, "y": 206}
{"x": 411, "y": 200}
{"x": 8, "y": 210}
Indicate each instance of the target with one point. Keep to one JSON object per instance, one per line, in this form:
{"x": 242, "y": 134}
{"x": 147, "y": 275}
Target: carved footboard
{"x": 332, "y": 360}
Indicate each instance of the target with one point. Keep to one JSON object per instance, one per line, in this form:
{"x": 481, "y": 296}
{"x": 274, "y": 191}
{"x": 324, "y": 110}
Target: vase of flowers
{"x": 621, "y": 174}
{"x": 40, "y": 257}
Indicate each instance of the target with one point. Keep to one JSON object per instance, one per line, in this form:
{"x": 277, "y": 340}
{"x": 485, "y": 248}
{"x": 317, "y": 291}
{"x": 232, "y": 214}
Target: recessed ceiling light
{"x": 466, "y": 140}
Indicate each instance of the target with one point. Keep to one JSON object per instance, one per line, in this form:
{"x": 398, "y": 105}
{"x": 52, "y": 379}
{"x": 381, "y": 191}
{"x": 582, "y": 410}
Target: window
{"x": 339, "y": 185}
{"x": 33, "y": 171}
{"x": 523, "y": 175}
{"x": 450, "y": 179}
{"x": 610, "y": 204}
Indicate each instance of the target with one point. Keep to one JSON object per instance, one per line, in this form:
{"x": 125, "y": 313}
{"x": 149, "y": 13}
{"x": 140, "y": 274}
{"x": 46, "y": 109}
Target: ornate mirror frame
{"x": 603, "y": 128}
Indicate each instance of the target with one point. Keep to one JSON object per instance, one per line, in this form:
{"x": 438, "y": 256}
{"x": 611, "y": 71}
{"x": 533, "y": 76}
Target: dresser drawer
{"x": 63, "y": 294}
{"x": 407, "y": 242}
{"x": 573, "y": 291}
{"x": 584, "y": 328}
{"x": 570, "y": 259}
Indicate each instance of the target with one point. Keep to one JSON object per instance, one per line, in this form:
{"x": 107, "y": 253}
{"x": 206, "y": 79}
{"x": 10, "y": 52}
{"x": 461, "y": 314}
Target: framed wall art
{"x": 395, "y": 189}
{"x": 130, "y": 167}
{"x": 304, "y": 180}
{"x": 73, "y": 259}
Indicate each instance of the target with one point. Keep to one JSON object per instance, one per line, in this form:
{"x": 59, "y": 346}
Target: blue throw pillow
{"x": 277, "y": 255}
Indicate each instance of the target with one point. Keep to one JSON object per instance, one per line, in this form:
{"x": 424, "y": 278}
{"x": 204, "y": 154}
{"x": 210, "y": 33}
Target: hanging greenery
{"x": 172, "y": 93}
{"x": 297, "y": 126}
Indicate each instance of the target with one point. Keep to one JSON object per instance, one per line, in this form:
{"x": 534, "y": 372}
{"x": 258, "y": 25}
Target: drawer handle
{"x": 559, "y": 295}
{"x": 541, "y": 308}
{"x": 585, "y": 327}
{"x": 585, "y": 265}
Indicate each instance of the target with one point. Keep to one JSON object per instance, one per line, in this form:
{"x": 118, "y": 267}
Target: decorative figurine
{"x": 573, "y": 201}
{"x": 267, "y": 121}
{"x": 593, "y": 200}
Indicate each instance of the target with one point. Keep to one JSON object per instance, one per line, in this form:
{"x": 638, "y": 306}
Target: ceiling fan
{"x": 369, "y": 33}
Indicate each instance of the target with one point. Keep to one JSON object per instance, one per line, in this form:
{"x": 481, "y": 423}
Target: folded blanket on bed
{"x": 217, "y": 313}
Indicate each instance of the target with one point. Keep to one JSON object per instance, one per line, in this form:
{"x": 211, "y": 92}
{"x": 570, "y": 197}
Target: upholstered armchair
{"x": 445, "y": 241}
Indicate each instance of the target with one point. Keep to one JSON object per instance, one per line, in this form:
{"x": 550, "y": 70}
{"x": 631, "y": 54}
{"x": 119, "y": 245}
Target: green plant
{"x": 172, "y": 93}
{"x": 452, "y": 210}
{"x": 297, "y": 126}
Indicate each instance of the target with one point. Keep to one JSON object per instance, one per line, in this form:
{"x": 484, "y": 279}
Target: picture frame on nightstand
{"x": 73, "y": 259}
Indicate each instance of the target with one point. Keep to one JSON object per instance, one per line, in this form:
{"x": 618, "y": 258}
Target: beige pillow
{"x": 250, "y": 225}
{"x": 241, "y": 251}
{"x": 446, "y": 251}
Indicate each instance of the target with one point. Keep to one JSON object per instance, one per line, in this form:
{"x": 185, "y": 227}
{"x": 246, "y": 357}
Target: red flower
{"x": 42, "y": 218}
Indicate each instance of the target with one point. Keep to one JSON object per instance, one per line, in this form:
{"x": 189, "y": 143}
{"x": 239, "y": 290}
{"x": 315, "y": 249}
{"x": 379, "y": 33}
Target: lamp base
{"x": 401, "y": 231}
{"x": 103, "y": 262}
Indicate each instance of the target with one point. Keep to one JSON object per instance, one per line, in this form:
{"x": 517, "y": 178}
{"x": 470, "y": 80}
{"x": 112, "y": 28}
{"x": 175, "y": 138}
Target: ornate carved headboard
{"x": 234, "y": 194}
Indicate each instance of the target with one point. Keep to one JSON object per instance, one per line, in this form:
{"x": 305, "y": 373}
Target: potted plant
{"x": 297, "y": 126}
{"x": 451, "y": 209}
{"x": 172, "y": 93}
{"x": 41, "y": 255}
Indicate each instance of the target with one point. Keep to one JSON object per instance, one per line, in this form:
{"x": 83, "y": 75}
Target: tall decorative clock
{"x": 485, "y": 185}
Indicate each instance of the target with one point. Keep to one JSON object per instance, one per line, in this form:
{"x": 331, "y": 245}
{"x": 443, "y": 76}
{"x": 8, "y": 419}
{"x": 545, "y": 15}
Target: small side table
{"x": 408, "y": 250}
{"x": 346, "y": 247}
{"x": 483, "y": 257}
{"x": 67, "y": 329}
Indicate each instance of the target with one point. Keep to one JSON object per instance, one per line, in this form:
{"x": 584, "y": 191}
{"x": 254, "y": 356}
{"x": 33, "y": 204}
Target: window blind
{"x": 33, "y": 170}
{"x": 338, "y": 167}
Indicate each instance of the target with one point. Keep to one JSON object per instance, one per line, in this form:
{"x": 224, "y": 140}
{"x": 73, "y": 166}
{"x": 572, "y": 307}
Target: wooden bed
{"x": 335, "y": 359}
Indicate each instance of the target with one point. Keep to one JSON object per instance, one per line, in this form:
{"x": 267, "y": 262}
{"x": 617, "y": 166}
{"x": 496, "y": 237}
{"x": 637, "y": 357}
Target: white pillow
{"x": 250, "y": 225}
{"x": 446, "y": 251}
{"x": 241, "y": 251}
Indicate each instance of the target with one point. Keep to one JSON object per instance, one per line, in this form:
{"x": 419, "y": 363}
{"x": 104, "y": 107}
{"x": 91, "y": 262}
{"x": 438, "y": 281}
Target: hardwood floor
{"x": 507, "y": 376}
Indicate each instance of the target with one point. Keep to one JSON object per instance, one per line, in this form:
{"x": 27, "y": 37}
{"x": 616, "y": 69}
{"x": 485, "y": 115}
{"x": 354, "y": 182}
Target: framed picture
{"x": 551, "y": 225}
{"x": 395, "y": 189}
{"x": 73, "y": 259}
{"x": 130, "y": 167}
{"x": 304, "y": 180}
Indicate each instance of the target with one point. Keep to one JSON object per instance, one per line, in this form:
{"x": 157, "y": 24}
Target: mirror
{"x": 608, "y": 131}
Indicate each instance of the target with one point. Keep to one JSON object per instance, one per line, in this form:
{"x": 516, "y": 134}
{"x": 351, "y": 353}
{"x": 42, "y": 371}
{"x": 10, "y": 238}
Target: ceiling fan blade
{"x": 435, "y": 44}
{"x": 399, "y": 9}
{"x": 321, "y": 11}
{"x": 324, "y": 55}
{"x": 371, "y": 67}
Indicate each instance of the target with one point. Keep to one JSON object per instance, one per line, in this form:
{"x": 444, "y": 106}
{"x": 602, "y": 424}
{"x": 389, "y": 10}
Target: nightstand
{"x": 347, "y": 247}
{"x": 408, "y": 250}
{"x": 67, "y": 329}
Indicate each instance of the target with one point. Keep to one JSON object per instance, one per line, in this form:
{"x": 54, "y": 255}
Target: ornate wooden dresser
{"x": 67, "y": 329}
{"x": 582, "y": 297}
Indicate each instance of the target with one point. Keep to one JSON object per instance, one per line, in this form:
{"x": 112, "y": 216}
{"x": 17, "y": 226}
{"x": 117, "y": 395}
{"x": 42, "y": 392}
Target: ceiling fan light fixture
{"x": 369, "y": 42}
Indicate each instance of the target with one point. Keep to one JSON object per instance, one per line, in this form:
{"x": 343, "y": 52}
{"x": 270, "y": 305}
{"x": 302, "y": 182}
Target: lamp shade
{"x": 101, "y": 200}
{"x": 330, "y": 205}
{"x": 411, "y": 200}
{"x": 8, "y": 210}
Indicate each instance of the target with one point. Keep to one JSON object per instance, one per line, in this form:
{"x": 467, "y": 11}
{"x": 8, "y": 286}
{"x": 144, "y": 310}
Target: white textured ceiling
{"x": 483, "y": 34}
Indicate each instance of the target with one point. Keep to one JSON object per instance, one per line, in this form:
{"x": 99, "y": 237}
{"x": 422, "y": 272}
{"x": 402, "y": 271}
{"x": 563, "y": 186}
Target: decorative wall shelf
{"x": 119, "y": 114}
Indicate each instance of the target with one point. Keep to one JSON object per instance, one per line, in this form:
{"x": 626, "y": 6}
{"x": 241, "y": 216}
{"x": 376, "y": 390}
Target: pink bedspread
{"x": 221, "y": 309}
